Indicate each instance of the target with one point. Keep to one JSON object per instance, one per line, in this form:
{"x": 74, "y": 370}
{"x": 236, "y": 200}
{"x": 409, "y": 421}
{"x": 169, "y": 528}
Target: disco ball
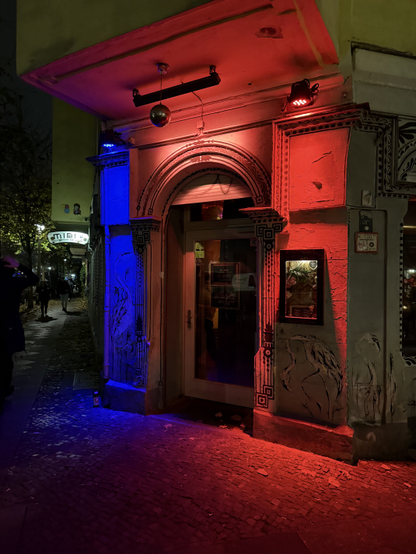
{"x": 160, "y": 115}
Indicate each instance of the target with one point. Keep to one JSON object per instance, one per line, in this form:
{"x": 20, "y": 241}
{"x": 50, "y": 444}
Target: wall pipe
{"x": 107, "y": 252}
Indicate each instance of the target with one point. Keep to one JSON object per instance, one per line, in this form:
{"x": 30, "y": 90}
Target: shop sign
{"x": 58, "y": 237}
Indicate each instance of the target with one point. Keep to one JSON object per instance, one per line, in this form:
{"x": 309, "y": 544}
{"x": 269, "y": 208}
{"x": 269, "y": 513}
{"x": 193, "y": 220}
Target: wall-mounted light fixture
{"x": 212, "y": 80}
{"x": 110, "y": 139}
{"x": 302, "y": 94}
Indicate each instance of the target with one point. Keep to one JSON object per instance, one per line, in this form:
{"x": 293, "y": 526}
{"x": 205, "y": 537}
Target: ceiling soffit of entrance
{"x": 256, "y": 45}
{"x": 211, "y": 188}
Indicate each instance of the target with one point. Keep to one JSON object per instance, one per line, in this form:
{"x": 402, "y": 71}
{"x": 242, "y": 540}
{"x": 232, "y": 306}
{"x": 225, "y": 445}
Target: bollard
{"x": 96, "y": 401}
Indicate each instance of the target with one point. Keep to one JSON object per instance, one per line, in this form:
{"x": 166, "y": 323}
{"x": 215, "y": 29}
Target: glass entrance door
{"x": 220, "y": 333}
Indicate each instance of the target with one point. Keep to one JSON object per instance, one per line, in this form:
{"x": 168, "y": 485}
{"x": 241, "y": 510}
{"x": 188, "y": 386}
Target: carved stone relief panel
{"x": 142, "y": 230}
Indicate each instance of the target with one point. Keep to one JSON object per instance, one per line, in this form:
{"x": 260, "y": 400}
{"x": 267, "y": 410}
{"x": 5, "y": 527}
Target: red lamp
{"x": 302, "y": 94}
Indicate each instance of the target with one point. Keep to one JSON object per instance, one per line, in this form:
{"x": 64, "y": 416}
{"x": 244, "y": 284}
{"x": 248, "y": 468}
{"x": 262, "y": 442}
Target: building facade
{"x": 252, "y": 251}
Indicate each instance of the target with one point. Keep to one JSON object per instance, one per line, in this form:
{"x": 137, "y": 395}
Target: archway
{"x": 174, "y": 173}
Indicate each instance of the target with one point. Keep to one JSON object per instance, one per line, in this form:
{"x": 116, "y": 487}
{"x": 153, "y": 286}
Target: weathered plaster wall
{"x": 75, "y": 136}
{"x": 379, "y": 22}
{"x": 382, "y": 23}
{"x": 61, "y": 31}
{"x": 373, "y": 76}
{"x": 123, "y": 355}
{"x": 311, "y": 359}
{"x": 380, "y": 383}
{"x": 366, "y": 325}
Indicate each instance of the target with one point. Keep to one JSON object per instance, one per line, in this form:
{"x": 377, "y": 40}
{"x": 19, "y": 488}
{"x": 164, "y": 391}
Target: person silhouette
{"x": 63, "y": 291}
{"x": 44, "y": 293}
{"x": 12, "y": 337}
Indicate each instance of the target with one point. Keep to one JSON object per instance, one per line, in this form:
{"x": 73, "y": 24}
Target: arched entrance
{"x": 211, "y": 281}
{"x": 165, "y": 323}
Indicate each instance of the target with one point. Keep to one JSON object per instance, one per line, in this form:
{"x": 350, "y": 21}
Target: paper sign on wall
{"x": 366, "y": 243}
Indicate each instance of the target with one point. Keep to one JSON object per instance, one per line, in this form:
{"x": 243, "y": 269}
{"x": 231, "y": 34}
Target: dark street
{"x": 78, "y": 479}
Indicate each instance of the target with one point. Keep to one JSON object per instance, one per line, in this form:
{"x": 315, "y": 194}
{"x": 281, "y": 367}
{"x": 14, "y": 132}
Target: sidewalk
{"x": 78, "y": 479}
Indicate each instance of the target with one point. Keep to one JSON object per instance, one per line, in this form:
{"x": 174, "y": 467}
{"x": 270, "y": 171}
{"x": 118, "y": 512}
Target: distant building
{"x": 259, "y": 249}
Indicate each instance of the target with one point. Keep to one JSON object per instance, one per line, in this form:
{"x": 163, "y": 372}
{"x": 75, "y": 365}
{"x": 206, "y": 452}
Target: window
{"x": 409, "y": 281}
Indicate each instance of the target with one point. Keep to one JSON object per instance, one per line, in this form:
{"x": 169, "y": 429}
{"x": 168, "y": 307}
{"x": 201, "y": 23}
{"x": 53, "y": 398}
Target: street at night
{"x": 208, "y": 277}
{"x": 80, "y": 479}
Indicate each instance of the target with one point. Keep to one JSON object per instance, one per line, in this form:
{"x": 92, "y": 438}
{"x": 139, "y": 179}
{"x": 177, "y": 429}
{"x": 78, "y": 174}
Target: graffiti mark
{"x": 325, "y": 365}
{"x": 369, "y": 394}
{"x": 122, "y": 320}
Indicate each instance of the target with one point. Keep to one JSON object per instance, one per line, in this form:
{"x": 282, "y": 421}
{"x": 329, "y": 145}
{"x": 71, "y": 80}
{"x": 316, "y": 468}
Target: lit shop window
{"x": 409, "y": 281}
{"x": 301, "y": 286}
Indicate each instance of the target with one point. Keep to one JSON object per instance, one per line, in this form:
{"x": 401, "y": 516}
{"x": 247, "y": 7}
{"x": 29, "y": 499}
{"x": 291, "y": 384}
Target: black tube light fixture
{"x": 302, "y": 94}
{"x": 211, "y": 81}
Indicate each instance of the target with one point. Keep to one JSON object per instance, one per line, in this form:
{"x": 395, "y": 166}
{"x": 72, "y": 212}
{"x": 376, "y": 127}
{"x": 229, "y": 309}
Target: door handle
{"x": 189, "y": 319}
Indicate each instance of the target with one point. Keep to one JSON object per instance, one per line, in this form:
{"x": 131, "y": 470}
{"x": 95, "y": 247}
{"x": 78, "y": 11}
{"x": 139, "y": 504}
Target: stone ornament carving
{"x": 141, "y": 231}
{"x": 406, "y": 162}
{"x": 210, "y": 154}
{"x": 267, "y": 223}
{"x": 112, "y": 159}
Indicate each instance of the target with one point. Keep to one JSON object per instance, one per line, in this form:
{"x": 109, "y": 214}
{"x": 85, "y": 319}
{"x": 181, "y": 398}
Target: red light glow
{"x": 300, "y": 102}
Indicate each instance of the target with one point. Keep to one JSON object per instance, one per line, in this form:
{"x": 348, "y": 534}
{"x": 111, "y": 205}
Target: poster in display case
{"x": 224, "y": 292}
{"x": 302, "y": 286}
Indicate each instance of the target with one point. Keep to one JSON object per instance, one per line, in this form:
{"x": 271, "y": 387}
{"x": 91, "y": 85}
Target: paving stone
{"x": 104, "y": 481}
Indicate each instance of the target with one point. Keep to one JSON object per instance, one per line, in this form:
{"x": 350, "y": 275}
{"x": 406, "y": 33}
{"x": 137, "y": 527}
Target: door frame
{"x": 201, "y": 388}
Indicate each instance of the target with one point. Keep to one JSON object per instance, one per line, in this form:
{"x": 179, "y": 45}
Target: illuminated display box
{"x": 302, "y": 286}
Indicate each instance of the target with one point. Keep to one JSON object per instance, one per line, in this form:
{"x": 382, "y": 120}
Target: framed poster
{"x": 225, "y": 297}
{"x": 222, "y": 273}
{"x": 302, "y": 286}
{"x": 222, "y": 278}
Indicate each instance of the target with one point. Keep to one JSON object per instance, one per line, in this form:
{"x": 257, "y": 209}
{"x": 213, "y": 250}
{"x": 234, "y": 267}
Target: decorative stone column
{"x": 267, "y": 223}
{"x": 142, "y": 229}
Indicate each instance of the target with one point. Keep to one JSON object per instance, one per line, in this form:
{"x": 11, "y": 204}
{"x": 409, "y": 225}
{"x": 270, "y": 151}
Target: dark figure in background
{"x": 63, "y": 291}
{"x": 12, "y": 337}
{"x": 71, "y": 288}
{"x": 44, "y": 293}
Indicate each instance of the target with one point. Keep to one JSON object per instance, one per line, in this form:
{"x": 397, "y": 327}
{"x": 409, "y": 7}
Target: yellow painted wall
{"x": 74, "y": 138}
{"x": 48, "y": 30}
{"x": 382, "y": 23}
{"x": 385, "y": 23}
{"x": 330, "y": 12}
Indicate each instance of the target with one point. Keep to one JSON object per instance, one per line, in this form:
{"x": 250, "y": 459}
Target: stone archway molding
{"x": 171, "y": 172}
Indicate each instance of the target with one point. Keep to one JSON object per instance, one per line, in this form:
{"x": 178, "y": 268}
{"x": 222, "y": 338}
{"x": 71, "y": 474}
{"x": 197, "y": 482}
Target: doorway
{"x": 220, "y": 307}
{"x": 211, "y": 310}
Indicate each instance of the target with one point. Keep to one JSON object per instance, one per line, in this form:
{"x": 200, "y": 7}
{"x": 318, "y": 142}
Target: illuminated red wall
{"x": 312, "y": 198}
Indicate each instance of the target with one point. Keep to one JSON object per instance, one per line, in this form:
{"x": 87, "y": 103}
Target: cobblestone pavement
{"x": 89, "y": 480}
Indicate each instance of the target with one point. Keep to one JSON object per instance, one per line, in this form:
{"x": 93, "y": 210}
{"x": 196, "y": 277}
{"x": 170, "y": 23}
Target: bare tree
{"x": 25, "y": 180}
